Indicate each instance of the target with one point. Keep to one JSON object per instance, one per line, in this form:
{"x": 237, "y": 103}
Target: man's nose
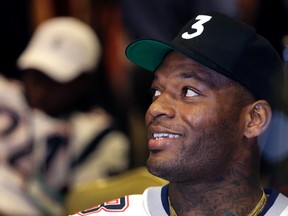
{"x": 163, "y": 106}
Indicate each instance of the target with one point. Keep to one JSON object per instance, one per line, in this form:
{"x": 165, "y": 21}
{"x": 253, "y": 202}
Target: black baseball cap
{"x": 225, "y": 45}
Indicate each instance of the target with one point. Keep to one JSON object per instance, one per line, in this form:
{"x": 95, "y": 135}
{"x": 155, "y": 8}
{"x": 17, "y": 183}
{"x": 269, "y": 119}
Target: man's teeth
{"x": 158, "y": 136}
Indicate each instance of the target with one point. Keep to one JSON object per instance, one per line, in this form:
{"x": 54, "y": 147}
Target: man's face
{"x": 194, "y": 124}
{"x": 54, "y": 98}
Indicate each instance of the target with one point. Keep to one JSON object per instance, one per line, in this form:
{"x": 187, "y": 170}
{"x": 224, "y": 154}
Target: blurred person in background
{"x": 16, "y": 146}
{"x": 76, "y": 139}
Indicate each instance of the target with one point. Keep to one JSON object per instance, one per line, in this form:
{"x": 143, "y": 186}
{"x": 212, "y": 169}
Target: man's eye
{"x": 188, "y": 92}
{"x": 155, "y": 92}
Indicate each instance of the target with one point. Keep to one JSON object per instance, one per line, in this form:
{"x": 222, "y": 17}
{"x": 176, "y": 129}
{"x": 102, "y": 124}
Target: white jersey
{"x": 154, "y": 202}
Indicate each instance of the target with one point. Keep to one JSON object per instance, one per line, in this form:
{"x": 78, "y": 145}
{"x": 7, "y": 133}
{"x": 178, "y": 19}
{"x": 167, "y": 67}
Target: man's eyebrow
{"x": 205, "y": 78}
{"x": 190, "y": 74}
{"x": 210, "y": 78}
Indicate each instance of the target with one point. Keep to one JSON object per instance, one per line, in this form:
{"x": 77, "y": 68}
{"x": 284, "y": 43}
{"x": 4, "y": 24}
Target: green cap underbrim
{"x": 147, "y": 54}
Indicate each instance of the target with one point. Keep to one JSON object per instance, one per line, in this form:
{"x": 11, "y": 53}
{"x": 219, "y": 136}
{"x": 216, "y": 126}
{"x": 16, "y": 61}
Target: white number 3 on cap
{"x": 198, "y": 26}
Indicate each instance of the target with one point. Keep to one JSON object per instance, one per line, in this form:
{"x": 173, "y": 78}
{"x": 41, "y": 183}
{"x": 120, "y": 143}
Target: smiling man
{"x": 193, "y": 123}
{"x": 214, "y": 89}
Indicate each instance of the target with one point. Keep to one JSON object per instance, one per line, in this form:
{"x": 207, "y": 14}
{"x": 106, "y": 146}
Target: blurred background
{"x": 124, "y": 88}
{"x": 118, "y": 22}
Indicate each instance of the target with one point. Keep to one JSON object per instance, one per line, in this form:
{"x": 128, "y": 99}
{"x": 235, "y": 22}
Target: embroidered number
{"x": 117, "y": 205}
{"x": 12, "y": 121}
{"x": 198, "y": 26}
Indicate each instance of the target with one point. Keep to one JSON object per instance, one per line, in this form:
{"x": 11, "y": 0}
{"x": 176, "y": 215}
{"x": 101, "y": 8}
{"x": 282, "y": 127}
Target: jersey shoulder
{"x": 277, "y": 204}
{"x": 127, "y": 205}
{"x": 153, "y": 201}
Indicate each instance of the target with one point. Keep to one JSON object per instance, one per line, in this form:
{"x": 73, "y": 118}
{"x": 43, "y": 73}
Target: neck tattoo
{"x": 256, "y": 211}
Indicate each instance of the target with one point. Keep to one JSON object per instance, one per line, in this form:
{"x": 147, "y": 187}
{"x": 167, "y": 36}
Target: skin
{"x": 55, "y": 98}
{"x": 211, "y": 157}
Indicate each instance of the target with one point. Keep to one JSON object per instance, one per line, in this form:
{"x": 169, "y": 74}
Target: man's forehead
{"x": 182, "y": 67}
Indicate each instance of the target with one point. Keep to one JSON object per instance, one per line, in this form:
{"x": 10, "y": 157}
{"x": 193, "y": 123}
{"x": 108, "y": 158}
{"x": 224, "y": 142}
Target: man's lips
{"x": 161, "y": 138}
{"x": 157, "y": 131}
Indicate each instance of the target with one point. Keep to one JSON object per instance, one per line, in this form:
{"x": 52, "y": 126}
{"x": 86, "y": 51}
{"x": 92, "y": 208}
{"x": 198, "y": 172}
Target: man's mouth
{"x": 159, "y": 136}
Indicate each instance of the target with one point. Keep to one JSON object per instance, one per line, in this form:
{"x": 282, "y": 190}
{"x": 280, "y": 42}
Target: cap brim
{"x": 54, "y": 66}
{"x": 148, "y": 54}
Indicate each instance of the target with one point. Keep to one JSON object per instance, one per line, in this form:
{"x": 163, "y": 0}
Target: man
{"x": 213, "y": 91}
{"x": 73, "y": 130}
{"x": 16, "y": 147}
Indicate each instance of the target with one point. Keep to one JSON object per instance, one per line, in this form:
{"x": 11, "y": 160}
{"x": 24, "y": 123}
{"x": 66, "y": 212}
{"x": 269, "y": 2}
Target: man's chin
{"x": 158, "y": 169}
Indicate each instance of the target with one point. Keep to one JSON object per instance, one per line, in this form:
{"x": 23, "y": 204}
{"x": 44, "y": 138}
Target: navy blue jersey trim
{"x": 164, "y": 198}
{"x": 272, "y": 195}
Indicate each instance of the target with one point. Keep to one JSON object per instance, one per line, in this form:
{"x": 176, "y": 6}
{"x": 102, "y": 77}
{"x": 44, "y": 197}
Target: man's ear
{"x": 258, "y": 117}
